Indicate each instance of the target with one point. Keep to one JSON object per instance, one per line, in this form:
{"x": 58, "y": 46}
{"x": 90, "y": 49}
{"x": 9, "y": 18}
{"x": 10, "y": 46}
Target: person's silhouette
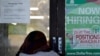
{"x": 35, "y": 44}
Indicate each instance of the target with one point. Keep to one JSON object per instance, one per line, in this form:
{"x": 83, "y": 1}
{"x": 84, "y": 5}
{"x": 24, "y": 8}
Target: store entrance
{"x": 57, "y": 30}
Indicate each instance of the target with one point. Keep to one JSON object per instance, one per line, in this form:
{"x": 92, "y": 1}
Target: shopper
{"x": 35, "y": 44}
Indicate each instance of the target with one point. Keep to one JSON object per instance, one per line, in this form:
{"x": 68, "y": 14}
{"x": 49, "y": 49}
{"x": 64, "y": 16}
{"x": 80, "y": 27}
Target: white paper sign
{"x": 14, "y": 11}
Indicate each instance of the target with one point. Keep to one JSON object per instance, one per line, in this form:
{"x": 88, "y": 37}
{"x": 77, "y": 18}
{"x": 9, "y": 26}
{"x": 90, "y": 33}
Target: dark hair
{"x": 34, "y": 42}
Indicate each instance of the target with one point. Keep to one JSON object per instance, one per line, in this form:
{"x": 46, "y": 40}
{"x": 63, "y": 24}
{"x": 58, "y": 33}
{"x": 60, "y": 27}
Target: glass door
{"x": 57, "y": 26}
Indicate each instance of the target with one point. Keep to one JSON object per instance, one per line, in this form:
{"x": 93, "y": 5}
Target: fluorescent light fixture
{"x": 14, "y": 23}
{"x": 36, "y": 17}
{"x": 34, "y": 8}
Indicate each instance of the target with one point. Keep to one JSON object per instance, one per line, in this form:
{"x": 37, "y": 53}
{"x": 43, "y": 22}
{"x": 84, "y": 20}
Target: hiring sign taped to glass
{"x": 82, "y": 27}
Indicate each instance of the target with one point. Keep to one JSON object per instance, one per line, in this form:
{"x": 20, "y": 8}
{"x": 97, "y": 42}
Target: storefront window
{"x": 16, "y": 33}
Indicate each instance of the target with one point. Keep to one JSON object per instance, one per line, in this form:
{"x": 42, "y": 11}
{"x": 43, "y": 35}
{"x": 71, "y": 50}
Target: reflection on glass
{"x": 39, "y": 20}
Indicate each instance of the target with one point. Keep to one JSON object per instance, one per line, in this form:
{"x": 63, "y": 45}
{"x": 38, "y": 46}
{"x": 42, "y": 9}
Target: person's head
{"x": 34, "y": 42}
{"x": 36, "y": 38}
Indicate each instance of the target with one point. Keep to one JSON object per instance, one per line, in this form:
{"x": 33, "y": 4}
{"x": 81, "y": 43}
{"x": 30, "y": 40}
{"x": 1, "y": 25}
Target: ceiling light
{"x": 14, "y": 23}
{"x": 36, "y": 17}
{"x": 34, "y": 8}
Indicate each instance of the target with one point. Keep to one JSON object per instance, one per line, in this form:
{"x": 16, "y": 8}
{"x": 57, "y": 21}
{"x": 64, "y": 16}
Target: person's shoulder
{"x": 50, "y": 53}
{"x": 24, "y": 54}
{"x": 53, "y": 53}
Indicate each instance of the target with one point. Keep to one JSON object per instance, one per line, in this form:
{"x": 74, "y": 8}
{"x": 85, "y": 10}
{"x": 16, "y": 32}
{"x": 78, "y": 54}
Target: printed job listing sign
{"x": 14, "y": 11}
{"x": 82, "y": 27}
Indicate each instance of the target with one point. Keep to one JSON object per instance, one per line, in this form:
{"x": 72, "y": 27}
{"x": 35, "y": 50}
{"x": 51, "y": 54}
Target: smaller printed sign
{"x": 86, "y": 39}
{"x": 14, "y": 11}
